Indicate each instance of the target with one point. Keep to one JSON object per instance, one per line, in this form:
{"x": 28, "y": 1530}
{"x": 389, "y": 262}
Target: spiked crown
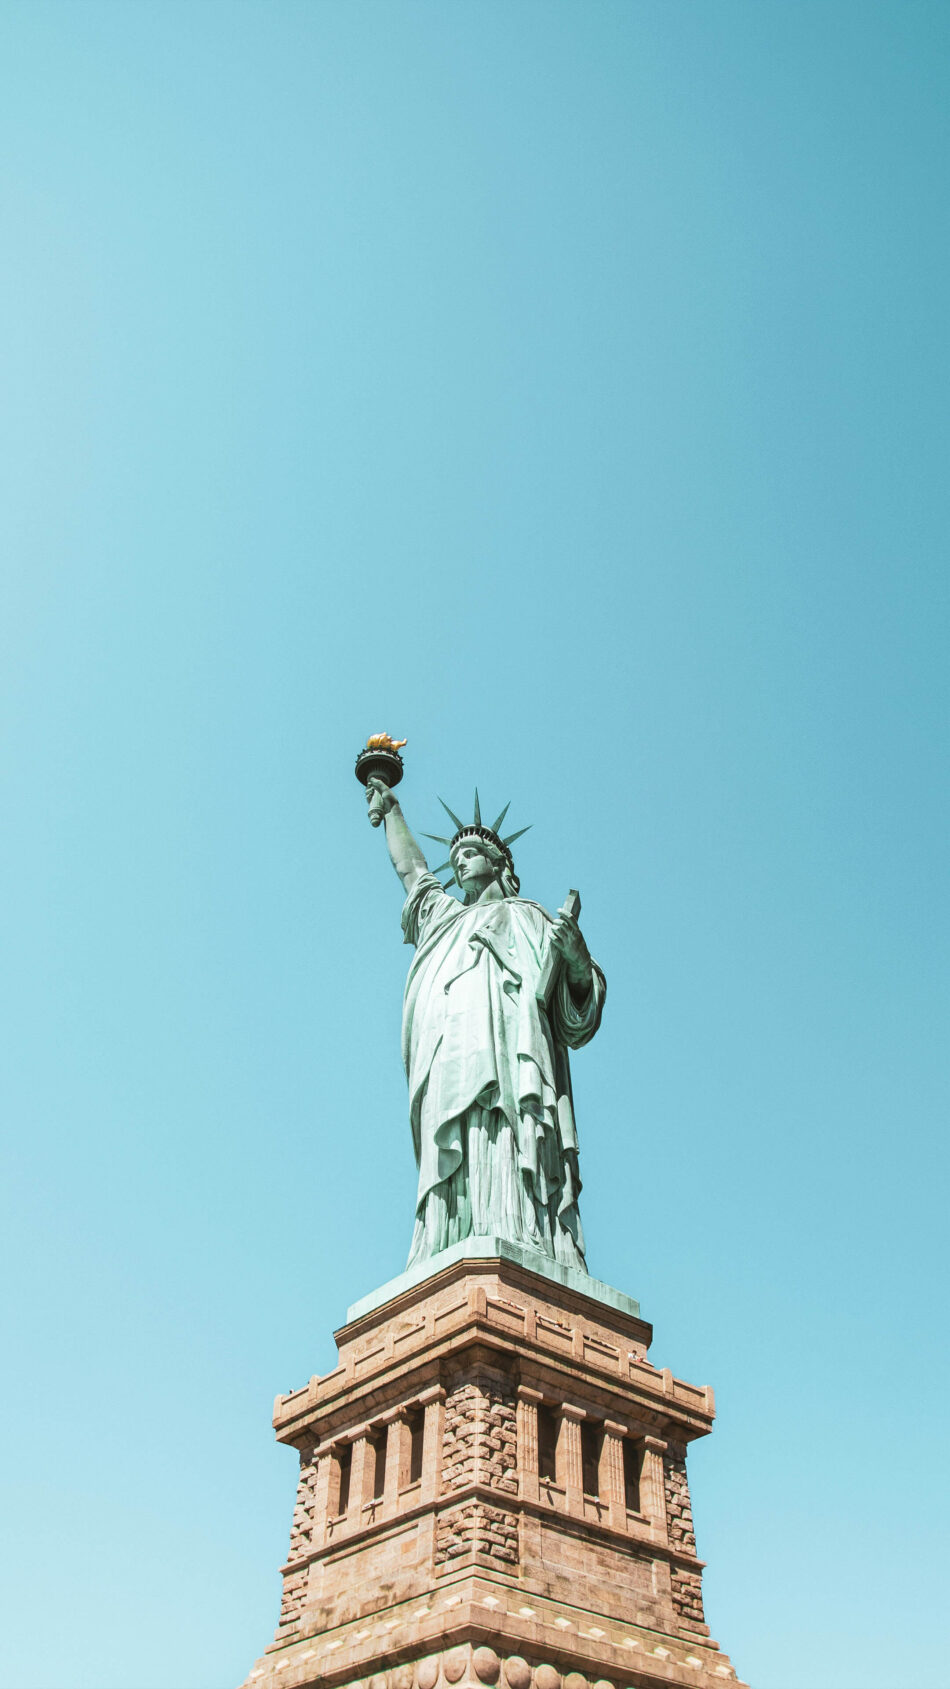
{"x": 476, "y": 830}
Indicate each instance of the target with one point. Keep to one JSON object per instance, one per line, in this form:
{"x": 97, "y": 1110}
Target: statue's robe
{"x": 489, "y": 1076}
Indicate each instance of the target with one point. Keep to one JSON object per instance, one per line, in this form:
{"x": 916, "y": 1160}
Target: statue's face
{"x": 473, "y": 869}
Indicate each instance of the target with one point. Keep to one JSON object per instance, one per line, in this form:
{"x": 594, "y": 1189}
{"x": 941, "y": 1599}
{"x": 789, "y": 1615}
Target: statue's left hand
{"x": 568, "y": 940}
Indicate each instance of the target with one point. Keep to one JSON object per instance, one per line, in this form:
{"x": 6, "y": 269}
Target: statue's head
{"x": 479, "y": 856}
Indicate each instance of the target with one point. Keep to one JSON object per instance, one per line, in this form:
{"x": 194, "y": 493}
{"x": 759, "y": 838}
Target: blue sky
{"x": 564, "y": 387}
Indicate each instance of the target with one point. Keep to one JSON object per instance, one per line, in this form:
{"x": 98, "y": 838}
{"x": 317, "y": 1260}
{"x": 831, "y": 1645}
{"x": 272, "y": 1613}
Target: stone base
{"x": 493, "y": 1491}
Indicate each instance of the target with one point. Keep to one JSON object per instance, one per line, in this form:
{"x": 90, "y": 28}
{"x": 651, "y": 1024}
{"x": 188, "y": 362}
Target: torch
{"x": 380, "y": 760}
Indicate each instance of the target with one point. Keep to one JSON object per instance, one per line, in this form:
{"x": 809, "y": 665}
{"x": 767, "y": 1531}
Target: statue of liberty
{"x": 497, "y": 993}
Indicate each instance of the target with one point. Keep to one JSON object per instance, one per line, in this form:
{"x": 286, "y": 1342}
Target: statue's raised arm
{"x": 404, "y": 852}
{"x": 498, "y": 992}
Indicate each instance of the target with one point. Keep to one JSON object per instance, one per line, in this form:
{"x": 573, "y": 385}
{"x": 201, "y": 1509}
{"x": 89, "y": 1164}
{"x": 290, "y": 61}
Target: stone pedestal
{"x": 493, "y": 1491}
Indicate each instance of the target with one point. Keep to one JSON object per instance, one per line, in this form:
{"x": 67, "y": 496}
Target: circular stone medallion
{"x": 517, "y": 1672}
{"x": 487, "y": 1665}
{"x": 428, "y": 1672}
{"x": 454, "y": 1663}
{"x": 547, "y": 1678}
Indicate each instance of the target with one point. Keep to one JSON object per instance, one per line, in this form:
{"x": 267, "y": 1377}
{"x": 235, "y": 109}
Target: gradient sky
{"x": 562, "y": 386}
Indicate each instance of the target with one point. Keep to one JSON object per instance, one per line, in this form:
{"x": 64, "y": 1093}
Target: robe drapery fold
{"x": 489, "y": 1076}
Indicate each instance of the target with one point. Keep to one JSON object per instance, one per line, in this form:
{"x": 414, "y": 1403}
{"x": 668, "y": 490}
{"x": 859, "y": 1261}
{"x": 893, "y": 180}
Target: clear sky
{"x": 563, "y": 386}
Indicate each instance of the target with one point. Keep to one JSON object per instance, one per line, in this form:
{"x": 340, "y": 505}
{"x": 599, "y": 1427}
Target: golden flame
{"x": 382, "y": 742}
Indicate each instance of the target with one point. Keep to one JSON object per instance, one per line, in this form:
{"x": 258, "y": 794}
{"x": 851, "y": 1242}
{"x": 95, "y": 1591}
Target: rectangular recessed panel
{"x": 370, "y": 1358}
{"x": 553, "y": 1331}
{"x": 444, "y": 1315}
{"x": 598, "y": 1350}
{"x": 409, "y": 1333}
{"x": 506, "y": 1314}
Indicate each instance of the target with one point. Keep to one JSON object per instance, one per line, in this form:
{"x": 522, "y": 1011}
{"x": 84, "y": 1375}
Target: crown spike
{"x": 442, "y": 867}
{"x": 451, "y": 814}
{"x": 512, "y": 836}
{"x": 437, "y": 838}
{"x": 478, "y": 810}
{"x": 496, "y": 824}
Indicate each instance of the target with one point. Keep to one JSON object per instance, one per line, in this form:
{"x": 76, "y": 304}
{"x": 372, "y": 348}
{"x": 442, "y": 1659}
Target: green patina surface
{"x": 499, "y": 991}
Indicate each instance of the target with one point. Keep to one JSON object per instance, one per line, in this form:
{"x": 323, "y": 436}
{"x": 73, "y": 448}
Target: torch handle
{"x": 377, "y": 814}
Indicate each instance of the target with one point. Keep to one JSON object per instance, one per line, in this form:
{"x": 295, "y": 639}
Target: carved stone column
{"x": 361, "y": 1477}
{"x": 433, "y": 1402}
{"x": 324, "y": 1462}
{"x": 652, "y": 1489}
{"x": 339, "y": 1451}
{"x": 528, "y": 1441}
{"x": 398, "y": 1455}
{"x": 570, "y": 1462}
{"x": 610, "y": 1474}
